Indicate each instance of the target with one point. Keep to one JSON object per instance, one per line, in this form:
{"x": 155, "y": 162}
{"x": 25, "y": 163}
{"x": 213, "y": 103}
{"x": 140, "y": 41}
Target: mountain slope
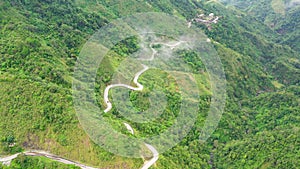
{"x": 41, "y": 40}
{"x": 281, "y": 16}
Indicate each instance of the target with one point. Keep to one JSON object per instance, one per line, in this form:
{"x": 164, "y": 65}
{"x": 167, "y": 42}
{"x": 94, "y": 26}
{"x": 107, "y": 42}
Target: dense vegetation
{"x": 282, "y": 16}
{"x": 24, "y": 162}
{"x": 39, "y": 45}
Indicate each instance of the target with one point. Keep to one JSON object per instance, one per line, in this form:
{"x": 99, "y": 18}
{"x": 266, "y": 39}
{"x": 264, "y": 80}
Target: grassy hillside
{"x": 40, "y": 43}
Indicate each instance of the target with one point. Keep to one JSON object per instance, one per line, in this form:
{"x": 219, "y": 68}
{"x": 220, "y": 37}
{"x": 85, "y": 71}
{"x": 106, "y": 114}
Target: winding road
{"x": 147, "y": 164}
{"x": 139, "y": 87}
{"x": 135, "y": 80}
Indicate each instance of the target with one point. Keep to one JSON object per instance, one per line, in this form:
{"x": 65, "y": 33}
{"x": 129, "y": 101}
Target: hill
{"x": 40, "y": 43}
{"x": 281, "y": 16}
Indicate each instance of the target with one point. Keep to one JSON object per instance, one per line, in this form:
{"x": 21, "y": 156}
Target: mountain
{"x": 257, "y": 44}
{"x": 281, "y": 16}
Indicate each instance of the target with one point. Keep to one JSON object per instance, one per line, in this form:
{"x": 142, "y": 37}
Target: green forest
{"x": 258, "y": 45}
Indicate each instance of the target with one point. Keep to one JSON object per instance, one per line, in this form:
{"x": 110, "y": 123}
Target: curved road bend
{"x": 148, "y": 164}
{"x": 7, "y": 160}
{"x": 135, "y": 80}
